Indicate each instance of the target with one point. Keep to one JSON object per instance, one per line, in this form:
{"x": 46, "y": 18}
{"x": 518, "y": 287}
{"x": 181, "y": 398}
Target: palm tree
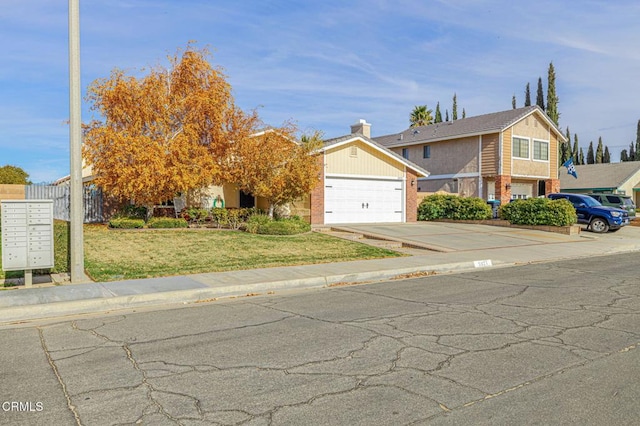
{"x": 420, "y": 116}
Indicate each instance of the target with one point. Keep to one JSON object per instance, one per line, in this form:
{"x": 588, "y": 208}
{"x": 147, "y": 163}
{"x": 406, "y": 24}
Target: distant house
{"x": 618, "y": 178}
{"x": 502, "y": 155}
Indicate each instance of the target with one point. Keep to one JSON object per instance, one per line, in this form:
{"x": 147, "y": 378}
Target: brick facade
{"x": 411, "y": 207}
{"x": 503, "y": 188}
{"x": 551, "y": 186}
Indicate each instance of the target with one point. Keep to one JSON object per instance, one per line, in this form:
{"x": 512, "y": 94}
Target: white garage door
{"x": 363, "y": 200}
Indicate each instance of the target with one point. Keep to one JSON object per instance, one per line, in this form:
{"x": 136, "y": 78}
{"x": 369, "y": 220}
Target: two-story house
{"x": 497, "y": 156}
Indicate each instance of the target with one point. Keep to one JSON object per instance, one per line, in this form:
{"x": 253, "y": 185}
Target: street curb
{"x": 25, "y": 313}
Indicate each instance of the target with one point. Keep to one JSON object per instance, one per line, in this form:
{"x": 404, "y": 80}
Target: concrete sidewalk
{"x": 473, "y": 252}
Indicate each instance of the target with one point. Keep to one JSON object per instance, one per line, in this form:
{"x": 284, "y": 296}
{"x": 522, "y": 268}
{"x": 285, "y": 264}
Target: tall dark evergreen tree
{"x": 599, "y": 152}
{"x": 564, "y": 149}
{"x": 606, "y": 158}
{"x": 454, "y": 111}
{"x": 527, "y": 96}
{"x": 552, "y": 97}
{"x": 464, "y": 113}
{"x": 624, "y": 156}
{"x": 590, "y": 157}
{"x": 638, "y": 142}
{"x": 513, "y": 102}
{"x": 581, "y": 159}
{"x": 540, "y": 96}
{"x": 575, "y": 151}
{"x": 632, "y": 152}
{"x": 438, "y": 118}
{"x": 446, "y": 115}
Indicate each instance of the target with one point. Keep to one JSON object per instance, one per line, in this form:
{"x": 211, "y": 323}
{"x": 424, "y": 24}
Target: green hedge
{"x": 167, "y": 222}
{"x": 262, "y": 224}
{"x": 126, "y": 223}
{"x": 444, "y": 206}
{"x": 539, "y": 211}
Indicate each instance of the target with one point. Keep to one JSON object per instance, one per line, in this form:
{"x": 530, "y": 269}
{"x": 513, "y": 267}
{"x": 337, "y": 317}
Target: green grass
{"x": 126, "y": 254}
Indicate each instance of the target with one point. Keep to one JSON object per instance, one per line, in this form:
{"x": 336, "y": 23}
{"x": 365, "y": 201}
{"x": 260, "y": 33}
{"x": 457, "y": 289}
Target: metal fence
{"x": 93, "y": 201}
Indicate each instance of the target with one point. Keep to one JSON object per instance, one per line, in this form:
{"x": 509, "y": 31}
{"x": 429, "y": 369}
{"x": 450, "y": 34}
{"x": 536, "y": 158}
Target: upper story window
{"x": 405, "y": 153}
{"x": 426, "y": 151}
{"x": 353, "y": 151}
{"x": 520, "y": 147}
{"x": 541, "y": 150}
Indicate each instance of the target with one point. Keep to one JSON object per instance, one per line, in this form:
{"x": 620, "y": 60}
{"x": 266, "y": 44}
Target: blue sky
{"x": 326, "y": 64}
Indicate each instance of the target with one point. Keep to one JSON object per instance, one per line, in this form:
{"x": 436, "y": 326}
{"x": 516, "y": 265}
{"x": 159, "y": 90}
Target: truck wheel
{"x": 599, "y": 225}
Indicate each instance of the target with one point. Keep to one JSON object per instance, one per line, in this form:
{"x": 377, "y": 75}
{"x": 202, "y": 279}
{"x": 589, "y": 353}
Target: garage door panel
{"x": 363, "y": 200}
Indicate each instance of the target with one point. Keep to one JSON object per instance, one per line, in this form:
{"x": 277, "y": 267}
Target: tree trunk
{"x": 271, "y": 209}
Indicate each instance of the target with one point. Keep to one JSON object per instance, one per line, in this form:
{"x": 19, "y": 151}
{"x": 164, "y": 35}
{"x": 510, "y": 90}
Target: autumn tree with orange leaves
{"x": 274, "y": 165}
{"x": 168, "y": 132}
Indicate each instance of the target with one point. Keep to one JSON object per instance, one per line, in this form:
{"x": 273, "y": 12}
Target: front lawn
{"x": 118, "y": 254}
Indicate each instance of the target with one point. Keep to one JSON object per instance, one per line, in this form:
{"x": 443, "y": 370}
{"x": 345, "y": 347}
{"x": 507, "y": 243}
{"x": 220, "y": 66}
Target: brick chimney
{"x": 361, "y": 128}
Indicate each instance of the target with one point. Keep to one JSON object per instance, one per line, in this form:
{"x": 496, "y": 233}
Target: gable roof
{"x": 470, "y": 126}
{"x": 607, "y": 176}
{"x": 343, "y": 140}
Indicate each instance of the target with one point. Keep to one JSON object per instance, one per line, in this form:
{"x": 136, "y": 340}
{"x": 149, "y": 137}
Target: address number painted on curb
{"x": 482, "y": 263}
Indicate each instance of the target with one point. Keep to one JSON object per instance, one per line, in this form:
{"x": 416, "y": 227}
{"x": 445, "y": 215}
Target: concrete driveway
{"x": 451, "y": 237}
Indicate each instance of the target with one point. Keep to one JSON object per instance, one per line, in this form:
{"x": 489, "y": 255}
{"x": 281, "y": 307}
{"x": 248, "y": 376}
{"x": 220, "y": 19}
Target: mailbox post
{"x": 27, "y": 236}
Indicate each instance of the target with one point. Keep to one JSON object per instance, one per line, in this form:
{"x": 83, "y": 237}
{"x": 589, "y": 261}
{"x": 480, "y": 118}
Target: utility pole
{"x": 76, "y": 214}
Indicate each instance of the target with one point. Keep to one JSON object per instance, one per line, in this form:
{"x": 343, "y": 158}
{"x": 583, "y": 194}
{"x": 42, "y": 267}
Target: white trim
{"x": 451, "y": 176}
{"x": 533, "y": 155}
{"x": 384, "y": 151}
{"x": 347, "y": 176}
{"x": 530, "y": 177}
{"x": 529, "y": 151}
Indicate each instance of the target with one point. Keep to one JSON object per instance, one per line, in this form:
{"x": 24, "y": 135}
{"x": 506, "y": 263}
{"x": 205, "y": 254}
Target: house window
{"x": 405, "y": 153}
{"x": 426, "y": 151}
{"x": 520, "y": 147}
{"x": 540, "y": 150}
{"x": 354, "y": 151}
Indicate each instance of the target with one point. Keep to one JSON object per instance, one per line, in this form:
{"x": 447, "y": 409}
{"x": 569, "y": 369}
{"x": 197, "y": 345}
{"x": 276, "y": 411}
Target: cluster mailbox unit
{"x": 27, "y": 236}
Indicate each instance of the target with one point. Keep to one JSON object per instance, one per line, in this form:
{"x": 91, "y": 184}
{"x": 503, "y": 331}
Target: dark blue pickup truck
{"x": 599, "y": 218}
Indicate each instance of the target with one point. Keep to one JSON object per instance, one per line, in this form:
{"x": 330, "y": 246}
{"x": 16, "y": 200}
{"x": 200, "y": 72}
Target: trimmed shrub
{"x": 254, "y": 222}
{"x": 445, "y": 206}
{"x": 220, "y": 216}
{"x": 131, "y": 212}
{"x": 167, "y": 222}
{"x": 262, "y": 224}
{"x": 539, "y": 211}
{"x": 195, "y": 215}
{"x": 126, "y": 223}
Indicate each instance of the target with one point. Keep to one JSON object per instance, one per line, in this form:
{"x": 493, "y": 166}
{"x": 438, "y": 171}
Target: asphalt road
{"x": 538, "y": 344}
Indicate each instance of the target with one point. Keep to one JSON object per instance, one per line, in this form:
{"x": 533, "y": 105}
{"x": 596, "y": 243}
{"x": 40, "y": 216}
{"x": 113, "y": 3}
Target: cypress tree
{"x": 632, "y": 152}
{"x": 438, "y": 118}
{"x": 624, "y": 156}
{"x": 464, "y": 113}
{"x": 454, "y": 111}
{"x": 590, "y": 157}
{"x": 446, "y": 115}
{"x": 527, "y": 96}
{"x": 599, "y": 151}
{"x": 606, "y": 158}
{"x": 513, "y": 102}
{"x": 540, "y": 96}
{"x": 638, "y": 141}
{"x": 552, "y": 98}
{"x": 576, "y": 153}
{"x": 565, "y": 149}
{"x": 581, "y": 162}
